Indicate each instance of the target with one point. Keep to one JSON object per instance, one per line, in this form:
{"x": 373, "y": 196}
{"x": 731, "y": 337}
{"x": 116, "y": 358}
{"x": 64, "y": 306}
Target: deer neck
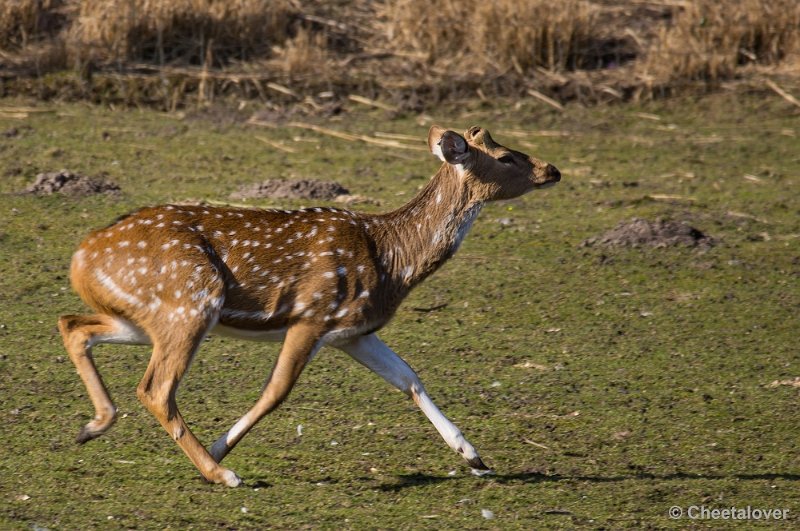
{"x": 416, "y": 239}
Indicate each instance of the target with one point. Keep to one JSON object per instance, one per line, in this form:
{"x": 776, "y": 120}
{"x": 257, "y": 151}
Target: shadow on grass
{"x": 417, "y": 480}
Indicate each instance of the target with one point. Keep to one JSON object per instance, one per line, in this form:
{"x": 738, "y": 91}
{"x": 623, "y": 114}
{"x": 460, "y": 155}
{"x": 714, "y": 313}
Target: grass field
{"x": 602, "y": 385}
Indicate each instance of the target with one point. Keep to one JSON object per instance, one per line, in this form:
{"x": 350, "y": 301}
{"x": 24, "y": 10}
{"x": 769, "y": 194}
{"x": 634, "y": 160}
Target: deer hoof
{"x": 88, "y": 433}
{"x": 230, "y": 479}
{"x": 84, "y": 435}
{"x": 477, "y": 464}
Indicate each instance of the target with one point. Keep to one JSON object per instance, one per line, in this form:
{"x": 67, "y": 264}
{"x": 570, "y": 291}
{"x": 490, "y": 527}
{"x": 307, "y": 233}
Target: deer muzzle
{"x": 544, "y": 174}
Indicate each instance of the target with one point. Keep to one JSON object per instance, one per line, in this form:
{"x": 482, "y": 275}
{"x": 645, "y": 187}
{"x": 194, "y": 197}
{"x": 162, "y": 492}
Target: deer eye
{"x": 506, "y": 159}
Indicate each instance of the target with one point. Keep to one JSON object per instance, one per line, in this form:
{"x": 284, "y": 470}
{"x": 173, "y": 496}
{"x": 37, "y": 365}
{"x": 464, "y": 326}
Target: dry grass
{"x": 412, "y": 51}
{"x": 306, "y": 54}
{"x": 493, "y": 36}
{"x": 24, "y": 22}
{"x": 182, "y": 31}
{"x": 711, "y": 40}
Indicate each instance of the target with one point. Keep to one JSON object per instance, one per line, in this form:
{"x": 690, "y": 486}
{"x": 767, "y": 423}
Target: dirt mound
{"x": 639, "y": 232}
{"x": 69, "y": 183}
{"x": 291, "y": 189}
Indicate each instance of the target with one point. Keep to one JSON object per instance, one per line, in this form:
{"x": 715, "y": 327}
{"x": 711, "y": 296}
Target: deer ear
{"x": 449, "y": 146}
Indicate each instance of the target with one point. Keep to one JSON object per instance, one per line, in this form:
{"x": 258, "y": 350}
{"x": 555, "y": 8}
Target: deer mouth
{"x": 546, "y": 184}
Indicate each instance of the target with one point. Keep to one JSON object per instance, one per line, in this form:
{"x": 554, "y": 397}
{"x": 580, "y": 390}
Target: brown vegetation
{"x": 23, "y": 22}
{"x": 409, "y": 51}
{"x": 711, "y": 40}
{"x": 492, "y": 36}
{"x": 180, "y": 30}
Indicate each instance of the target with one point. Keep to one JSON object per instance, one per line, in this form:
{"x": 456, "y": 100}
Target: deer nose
{"x": 545, "y": 173}
{"x": 553, "y": 175}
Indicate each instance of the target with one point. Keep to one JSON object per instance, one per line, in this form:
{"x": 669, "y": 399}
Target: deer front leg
{"x": 379, "y": 358}
{"x": 300, "y": 345}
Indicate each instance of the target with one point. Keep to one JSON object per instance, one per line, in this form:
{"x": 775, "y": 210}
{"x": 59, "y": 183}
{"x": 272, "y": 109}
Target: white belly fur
{"x": 253, "y": 335}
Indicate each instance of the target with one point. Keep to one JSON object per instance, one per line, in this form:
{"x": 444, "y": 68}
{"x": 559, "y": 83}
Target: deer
{"x": 169, "y": 275}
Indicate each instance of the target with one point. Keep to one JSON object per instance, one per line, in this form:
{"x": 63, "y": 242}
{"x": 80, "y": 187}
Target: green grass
{"x": 648, "y": 370}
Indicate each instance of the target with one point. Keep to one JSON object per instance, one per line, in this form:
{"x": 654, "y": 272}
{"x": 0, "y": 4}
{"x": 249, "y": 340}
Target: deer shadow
{"x": 404, "y": 481}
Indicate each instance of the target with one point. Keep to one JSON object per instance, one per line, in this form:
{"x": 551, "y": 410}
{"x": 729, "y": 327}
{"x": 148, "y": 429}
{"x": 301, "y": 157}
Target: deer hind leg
{"x": 172, "y": 353}
{"x": 379, "y": 358}
{"x": 299, "y": 347}
{"x": 79, "y": 333}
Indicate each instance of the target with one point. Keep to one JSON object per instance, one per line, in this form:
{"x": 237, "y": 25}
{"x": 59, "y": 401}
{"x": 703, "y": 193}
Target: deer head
{"x": 490, "y": 171}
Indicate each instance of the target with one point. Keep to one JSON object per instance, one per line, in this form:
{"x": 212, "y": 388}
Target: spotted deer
{"x": 166, "y": 276}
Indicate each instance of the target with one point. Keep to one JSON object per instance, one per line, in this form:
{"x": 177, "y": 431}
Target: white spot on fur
{"x": 112, "y": 286}
{"x": 155, "y": 303}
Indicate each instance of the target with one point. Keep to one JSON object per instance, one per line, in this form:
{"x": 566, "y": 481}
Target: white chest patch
{"x": 466, "y": 224}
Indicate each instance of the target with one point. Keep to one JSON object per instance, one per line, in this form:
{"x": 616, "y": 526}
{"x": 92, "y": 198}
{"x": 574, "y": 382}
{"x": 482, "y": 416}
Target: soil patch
{"x": 69, "y": 183}
{"x": 639, "y": 232}
{"x": 291, "y": 189}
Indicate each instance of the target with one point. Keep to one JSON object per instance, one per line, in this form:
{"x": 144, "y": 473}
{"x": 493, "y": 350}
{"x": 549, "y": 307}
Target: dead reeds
{"x": 23, "y": 22}
{"x": 491, "y": 36}
{"x": 180, "y": 31}
{"x": 398, "y": 53}
{"x": 303, "y": 55}
{"x": 710, "y": 40}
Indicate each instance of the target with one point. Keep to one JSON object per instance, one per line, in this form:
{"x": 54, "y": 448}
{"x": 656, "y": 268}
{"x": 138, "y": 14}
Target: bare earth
{"x": 291, "y": 189}
{"x": 69, "y": 183}
{"x": 638, "y": 232}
